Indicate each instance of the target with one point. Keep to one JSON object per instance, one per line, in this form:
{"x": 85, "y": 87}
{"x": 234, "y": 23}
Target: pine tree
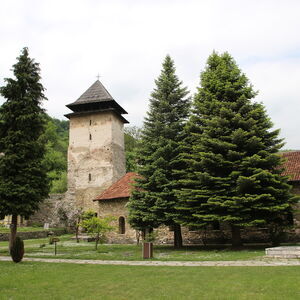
{"x": 23, "y": 181}
{"x": 153, "y": 201}
{"x": 232, "y": 172}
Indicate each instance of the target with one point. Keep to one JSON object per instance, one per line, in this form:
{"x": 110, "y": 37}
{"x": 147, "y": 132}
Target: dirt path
{"x": 238, "y": 263}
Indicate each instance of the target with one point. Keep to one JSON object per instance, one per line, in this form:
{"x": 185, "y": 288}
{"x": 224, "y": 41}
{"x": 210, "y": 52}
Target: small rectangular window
{"x": 90, "y": 137}
{"x": 90, "y": 122}
{"x": 90, "y": 177}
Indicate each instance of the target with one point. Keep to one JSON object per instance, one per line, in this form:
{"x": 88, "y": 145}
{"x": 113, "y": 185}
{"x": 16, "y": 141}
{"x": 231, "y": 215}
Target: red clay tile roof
{"x": 120, "y": 189}
{"x": 292, "y": 165}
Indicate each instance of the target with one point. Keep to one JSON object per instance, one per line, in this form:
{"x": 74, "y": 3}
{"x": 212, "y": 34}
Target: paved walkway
{"x": 238, "y": 263}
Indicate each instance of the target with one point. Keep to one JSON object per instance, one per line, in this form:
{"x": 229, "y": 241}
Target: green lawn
{"x": 68, "y": 248}
{"x": 26, "y": 229}
{"x": 30, "y": 280}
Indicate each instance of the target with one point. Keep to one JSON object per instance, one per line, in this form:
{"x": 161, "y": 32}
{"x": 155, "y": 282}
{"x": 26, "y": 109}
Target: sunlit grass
{"x": 69, "y": 249}
{"x": 28, "y": 280}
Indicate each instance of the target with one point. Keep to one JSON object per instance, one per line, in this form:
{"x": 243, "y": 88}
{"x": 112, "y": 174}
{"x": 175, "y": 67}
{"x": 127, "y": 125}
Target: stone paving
{"x": 238, "y": 263}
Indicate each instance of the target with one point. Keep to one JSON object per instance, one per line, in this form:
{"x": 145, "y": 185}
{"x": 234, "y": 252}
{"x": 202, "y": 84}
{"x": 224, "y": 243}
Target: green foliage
{"x": 131, "y": 139}
{"x": 88, "y": 214}
{"x": 56, "y": 137}
{"x": 232, "y": 168}
{"x": 150, "y": 237}
{"x": 153, "y": 201}
{"x": 23, "y": 180}
{"x": 17, "y": 250}
{"x": 97, "y": 227}
{"x": 59, "y": 182}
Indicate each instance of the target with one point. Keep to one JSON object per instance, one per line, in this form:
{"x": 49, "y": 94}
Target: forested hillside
{"x": 56, "y": 136}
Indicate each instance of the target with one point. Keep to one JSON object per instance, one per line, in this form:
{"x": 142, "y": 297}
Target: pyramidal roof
{"x": 96, "y": 99}
{"x": 95, "y": 93}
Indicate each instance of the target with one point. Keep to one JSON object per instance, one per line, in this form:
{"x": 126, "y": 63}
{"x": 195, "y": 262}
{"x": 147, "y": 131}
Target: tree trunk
{"x": 138, "y": 236}
{"x": 177, "y": 236}
{"x": 77, "y": 232}
{"x": 97, "y": 241}
{"x": 13, "y": 230}
{"x": 236, "y": 239}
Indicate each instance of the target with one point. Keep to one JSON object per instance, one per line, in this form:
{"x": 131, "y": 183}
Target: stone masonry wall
{"x": 46, "y": 211}
{"x": 117, "y": 208}
{"x": 165, "y": 235}
{"x": 96, "y": 156}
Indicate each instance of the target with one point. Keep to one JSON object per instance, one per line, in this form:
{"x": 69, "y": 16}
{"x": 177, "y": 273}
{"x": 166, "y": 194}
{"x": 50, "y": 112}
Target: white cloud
{"x": 126, "y": 41}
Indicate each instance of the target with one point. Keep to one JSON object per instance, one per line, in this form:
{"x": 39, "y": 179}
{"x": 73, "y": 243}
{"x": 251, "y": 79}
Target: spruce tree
{"x": 232, "y": 172}
{"x": 153, "y": 201}
{"x": 23, "y": 181}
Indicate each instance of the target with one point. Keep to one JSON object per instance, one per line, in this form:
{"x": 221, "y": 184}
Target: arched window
{"x": 121, "y": 225}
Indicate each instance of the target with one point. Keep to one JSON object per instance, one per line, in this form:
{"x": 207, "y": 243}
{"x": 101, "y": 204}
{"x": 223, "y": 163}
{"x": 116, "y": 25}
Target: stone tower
{"x": 96, "y": 157}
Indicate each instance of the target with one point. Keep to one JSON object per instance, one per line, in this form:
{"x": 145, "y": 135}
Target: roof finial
{"x": 98, "y": 76}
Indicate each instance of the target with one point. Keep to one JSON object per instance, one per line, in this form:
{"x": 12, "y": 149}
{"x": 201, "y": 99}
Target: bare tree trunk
{"x": 177, "y": 236}
{"x": 77, "y": 231}
{"x": 236, "y": 239}
{"x": 13, "y": 230}
{"x": 97, "y": 241}
{"x": 138, "y": 236}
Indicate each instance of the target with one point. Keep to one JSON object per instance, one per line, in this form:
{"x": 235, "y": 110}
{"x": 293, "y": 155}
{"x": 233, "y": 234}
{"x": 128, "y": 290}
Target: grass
{"x": 30, "y": 280}
{"x": 26, "y": 229}
{"x": 69, "y": 249}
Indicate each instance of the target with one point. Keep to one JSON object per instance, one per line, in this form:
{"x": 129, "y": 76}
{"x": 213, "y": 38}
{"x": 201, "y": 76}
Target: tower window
{"x": 90, "y": 137}
{"x": 90, "y": 122}
{"x": 121, "y": 225}
{"x": 90, "y": 176}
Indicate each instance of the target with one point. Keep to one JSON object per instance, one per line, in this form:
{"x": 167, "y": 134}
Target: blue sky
{"x": 126, "y": 41}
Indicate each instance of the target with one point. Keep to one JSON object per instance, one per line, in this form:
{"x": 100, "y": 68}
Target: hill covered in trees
{"x": 56, "y": 136}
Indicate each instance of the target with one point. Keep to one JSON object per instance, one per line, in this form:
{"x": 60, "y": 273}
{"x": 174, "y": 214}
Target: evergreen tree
{"x": 232, "y": 172}
{"x": 153, "y": 201}
{"x": 23, "y": 181}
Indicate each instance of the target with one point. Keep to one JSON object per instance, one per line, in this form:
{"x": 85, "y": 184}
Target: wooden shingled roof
{"x": 120, "y": 189}
{"x": 292, "y": 165}
{"x": 95, "y": 93}
{"x": 96, "y": 99}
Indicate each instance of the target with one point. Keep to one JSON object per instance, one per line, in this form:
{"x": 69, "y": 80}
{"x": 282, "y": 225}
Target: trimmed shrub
{"x": 17, "y": 250}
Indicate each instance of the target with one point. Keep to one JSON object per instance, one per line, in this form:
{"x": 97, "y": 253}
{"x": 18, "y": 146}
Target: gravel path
{"x": 238, "y": 263}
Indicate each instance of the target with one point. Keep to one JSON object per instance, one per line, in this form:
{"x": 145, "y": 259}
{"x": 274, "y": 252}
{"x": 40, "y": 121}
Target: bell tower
{"x": 96, "y": 157}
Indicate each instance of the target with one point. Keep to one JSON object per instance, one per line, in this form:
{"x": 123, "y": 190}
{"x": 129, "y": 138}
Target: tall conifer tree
{"x": 153, "y": 201}
{"x": 232, "y": 172}
{"x": 23, "y": 181}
